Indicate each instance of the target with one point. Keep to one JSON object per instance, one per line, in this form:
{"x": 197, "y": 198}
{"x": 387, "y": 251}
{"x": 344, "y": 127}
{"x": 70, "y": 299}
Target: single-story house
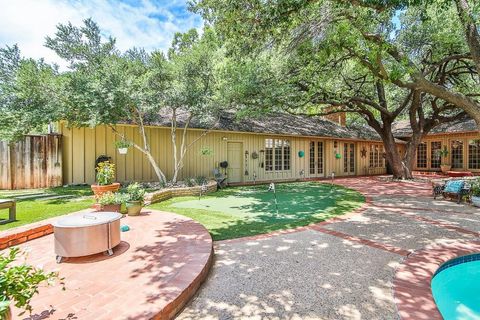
{"x": 461, "y": 139}
{"x": 272, "y": 148}
{"x": 276, "y": 147}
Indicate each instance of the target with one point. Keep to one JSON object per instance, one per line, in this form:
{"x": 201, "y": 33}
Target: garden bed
{"x": 167, "y": 193}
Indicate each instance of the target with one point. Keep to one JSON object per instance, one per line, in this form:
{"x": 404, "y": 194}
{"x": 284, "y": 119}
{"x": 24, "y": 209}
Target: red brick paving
{"x": 412, "y": 280}
{"x": 157, "y": 267}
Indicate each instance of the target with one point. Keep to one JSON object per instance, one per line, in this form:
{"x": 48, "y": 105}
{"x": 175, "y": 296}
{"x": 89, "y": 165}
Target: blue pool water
{"x": 456, "y": 288}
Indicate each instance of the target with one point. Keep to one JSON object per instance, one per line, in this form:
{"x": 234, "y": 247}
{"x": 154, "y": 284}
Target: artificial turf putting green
{"x": 245, "y": 211}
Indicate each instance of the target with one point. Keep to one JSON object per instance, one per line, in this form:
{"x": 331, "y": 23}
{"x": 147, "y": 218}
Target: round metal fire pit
{"x": 85, "y": 234}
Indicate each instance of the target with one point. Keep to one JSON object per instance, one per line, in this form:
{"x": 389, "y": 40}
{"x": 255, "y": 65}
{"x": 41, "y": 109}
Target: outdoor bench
{"x": 455, "y": 189}
{"x": 11, "y": 205}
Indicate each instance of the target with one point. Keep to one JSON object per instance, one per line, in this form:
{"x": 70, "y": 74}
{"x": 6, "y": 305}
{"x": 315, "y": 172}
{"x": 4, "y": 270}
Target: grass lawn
{"x": 245, "y": 211}
{"x": 36, "y": 209}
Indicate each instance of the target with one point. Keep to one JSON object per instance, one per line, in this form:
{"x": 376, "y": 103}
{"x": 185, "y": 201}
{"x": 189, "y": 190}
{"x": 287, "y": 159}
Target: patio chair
{"x": 455, "y": 189}
{"x": 220, "y": 178}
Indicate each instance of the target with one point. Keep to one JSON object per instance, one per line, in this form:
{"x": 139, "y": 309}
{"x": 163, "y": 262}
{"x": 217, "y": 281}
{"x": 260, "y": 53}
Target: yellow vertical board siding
{"x": 121, "y": 158}
{"x": 446, "y": 140}
{"x": 134, "y": 166}
{"x": 78, "y": 160}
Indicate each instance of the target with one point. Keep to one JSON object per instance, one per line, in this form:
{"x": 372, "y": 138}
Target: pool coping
{"x": 412, "y": 280}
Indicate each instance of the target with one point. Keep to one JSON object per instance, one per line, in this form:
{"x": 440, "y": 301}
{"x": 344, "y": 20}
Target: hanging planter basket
{"x": 122, "y": 146}
{"x": 338, "y": 156}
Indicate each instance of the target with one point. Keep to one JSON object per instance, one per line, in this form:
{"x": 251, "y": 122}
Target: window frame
{"x": 278, "y": 155}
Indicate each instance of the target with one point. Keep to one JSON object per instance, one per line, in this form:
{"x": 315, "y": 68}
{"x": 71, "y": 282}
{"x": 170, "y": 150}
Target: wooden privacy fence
{"x": 34, "y": 162}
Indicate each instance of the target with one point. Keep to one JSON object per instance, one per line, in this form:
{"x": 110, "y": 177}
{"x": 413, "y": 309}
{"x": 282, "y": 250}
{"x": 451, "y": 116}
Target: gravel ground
{"x": 302, "y": 275}
{"x": 395, "y": 229}
{"x": 314, "y": 275}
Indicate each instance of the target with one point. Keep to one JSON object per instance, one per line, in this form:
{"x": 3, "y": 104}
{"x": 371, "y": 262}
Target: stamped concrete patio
{"x": 153, "y": 272}
{"x": 343, "y": 269}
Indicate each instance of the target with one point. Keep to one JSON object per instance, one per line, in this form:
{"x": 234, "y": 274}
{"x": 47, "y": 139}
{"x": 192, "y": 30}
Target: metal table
{"x": 86, "y": 234}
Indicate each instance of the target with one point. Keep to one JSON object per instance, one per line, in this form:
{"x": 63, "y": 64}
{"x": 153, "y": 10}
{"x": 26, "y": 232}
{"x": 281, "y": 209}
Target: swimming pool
{"x": 456, "y": 288}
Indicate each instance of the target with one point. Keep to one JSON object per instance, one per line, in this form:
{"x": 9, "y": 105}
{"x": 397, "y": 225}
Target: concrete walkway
{"x": 340, "y": 270}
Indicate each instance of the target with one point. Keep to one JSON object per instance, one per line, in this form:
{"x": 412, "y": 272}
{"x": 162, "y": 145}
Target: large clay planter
{"x": 445, "y": 167}
{"x": 98, "y": 190}
{"x": 134, "y": 208}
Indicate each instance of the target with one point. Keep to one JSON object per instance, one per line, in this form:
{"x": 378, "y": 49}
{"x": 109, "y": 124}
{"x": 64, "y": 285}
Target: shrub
{"x": 135, "y": 192}
{"x": 200, "y": 180}
{"x": 20, "y": 282}
{"x": 476, "y": 188}
{"x": 111, "y": 198}
{"x": 105, "y": 173}
{"x": 189, "y": 181}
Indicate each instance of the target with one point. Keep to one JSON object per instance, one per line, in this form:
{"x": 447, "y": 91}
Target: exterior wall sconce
{"x": 224, "y": 139}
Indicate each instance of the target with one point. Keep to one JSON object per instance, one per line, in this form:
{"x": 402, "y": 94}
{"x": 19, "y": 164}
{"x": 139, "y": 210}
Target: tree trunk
{"x": 471, "y": 32}
{"x": 393, "y": 156}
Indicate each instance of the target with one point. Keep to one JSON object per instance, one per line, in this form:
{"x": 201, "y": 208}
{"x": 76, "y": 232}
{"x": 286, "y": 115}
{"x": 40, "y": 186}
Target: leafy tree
{"x": 106, "y": 87}
{"x": 338, "y": 57}
{"x": 192, "y": 88}
{"x": 27, "y": 101}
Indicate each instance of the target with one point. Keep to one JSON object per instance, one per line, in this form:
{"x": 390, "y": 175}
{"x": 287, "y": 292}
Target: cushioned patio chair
{"x": 220, "y": 178}
{"x": 455, "y": 189}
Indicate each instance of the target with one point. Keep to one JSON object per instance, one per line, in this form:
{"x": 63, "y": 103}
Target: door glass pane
{"x": 436, "y": 147}
{"x": 312, "y": 157}
{"x": 474, "y": 154}
{"x": 422, "y": 155}
{"x": 320, "y": 157}
{"x": 352, "y": 158}
{"x": 345, "y": 157}
{"x": 457, "y": 154}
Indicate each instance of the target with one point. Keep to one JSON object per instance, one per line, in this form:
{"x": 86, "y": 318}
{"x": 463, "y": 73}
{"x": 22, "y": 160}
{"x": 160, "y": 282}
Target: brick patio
{"x": 157, "y": 267}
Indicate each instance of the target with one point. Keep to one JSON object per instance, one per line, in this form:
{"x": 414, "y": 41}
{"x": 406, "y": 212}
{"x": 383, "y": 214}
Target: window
{"x": 277, "y": 155}
{"x": 312, "y": 157}
{"x": 435, "y": 148}
{"x": 345, "y": 157}
{"x": 422, "y": 155}
{"x": 320, "y": 157}
{"x": 268, "y": 154}
{"x": 474, "y": 154}
{"x": 376, "y": 156}
{"x": 352, "y": 157}
{"x": 457, "y": 154}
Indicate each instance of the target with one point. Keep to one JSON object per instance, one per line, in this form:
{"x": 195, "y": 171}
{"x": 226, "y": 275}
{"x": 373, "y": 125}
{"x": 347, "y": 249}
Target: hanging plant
{"x": 122, "y": 146}
{"x": 206, "y": 151}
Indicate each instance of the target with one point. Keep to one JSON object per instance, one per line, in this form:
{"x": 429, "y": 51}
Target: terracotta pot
{"x": 109, "y": 208}
{"x": 445, "y": 167}
{"x": 98, "y": 190}
{"x": 134, "y": 208}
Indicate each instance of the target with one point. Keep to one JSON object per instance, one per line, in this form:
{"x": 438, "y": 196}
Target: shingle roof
{"x": 403, "y": 129}
{"x": 278, "y": 123}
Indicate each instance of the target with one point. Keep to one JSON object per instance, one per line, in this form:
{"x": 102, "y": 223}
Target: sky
{"x": 150, "y": 24}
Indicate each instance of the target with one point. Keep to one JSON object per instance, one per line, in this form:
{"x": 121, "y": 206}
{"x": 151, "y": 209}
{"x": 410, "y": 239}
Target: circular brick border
{"x": 412, "y": 280}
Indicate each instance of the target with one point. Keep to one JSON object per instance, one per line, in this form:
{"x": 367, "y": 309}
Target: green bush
{"x": 105, "y": 173}
{"x": 20, "y": 282}
{"x": 200, "y": 180}
{"x": 135, "y": 192}
{"x": 189, "y": 181}
{"x": 476, "y": 188}
{"x": 112, "y": 198}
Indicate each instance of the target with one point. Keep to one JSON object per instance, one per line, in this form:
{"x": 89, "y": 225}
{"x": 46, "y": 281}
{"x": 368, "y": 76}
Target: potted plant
{"x": 19, "y": 282}
{"x": 122, "y": 146}
{"x": 443, "y": 153}
{"x": 476, "y": 193}
{"x": 105, "y": 176}
{"x": 111, "y": 202}
{"x": 135, "y": 199}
